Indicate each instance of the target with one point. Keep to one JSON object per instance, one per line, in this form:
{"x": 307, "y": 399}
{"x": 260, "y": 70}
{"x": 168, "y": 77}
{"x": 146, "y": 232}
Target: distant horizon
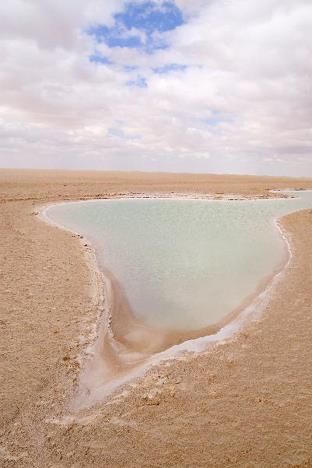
{"x": 134, "y": 171}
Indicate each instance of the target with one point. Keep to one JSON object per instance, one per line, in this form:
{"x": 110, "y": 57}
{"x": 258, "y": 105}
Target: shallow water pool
{"x": 183, "y": 264}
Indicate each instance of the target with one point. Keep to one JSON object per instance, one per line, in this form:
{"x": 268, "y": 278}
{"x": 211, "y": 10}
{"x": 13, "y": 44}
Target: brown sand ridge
{"x": 246, "y": 402}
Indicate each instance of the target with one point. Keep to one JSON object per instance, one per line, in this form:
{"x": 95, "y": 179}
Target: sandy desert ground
{"x": 245, "y": 402}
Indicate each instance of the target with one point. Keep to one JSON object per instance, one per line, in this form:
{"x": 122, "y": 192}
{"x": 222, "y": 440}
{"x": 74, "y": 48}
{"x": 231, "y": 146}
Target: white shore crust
{"x": 99, "y": 378}
{"x": 243, "y": 401}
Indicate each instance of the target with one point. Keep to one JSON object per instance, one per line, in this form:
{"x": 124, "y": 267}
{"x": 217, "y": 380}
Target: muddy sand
{"x": 246, "y": 401}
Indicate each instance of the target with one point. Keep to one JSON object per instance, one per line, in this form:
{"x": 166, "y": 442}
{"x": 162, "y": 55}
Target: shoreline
{"x": 99, "y": 379}
{"x": 242, "y": 402}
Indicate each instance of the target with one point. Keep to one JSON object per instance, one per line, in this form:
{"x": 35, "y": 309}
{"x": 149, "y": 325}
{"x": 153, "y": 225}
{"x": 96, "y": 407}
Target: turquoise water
{"x": 183, "y": 264}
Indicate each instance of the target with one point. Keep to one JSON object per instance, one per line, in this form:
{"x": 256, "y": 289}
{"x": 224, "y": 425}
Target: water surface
{"x": 183, "y": 264}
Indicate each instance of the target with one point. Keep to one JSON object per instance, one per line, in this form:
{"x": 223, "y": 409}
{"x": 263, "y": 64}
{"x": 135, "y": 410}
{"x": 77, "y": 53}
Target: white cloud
{"x": 54, "y": 23}
{"x": 243, "y": 102}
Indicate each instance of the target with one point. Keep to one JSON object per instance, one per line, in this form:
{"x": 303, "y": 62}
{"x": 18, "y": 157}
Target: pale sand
{"x": 246, "y": 402}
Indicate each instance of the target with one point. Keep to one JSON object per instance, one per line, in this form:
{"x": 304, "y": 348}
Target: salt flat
{"x": 246, "y": 399}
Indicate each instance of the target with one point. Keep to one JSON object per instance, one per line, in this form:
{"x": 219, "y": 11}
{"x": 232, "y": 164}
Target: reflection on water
{"x": 183, "y": 264}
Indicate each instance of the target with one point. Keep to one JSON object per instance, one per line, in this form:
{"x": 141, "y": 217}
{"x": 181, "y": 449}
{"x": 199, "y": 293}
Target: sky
{"x": 218, "y": 86}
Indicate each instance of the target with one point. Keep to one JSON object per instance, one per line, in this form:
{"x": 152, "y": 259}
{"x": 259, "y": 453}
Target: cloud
{"x": 230, "y": 92}
{"x": 55, "y": 23}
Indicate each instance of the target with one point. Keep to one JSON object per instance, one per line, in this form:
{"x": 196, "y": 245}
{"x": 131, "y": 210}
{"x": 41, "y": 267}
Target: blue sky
{"x": 140, "y": 25}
